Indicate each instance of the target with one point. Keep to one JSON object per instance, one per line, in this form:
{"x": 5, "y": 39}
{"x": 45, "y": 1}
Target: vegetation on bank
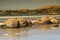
{"x": 52, "y": 9}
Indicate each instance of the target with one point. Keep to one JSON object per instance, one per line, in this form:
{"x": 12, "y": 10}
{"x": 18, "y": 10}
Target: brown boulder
{"x": 12, "y": 23}
{"x": 47, "y": 20}
{"x": 44, "y": 20}
{"x": 23, "y": 22}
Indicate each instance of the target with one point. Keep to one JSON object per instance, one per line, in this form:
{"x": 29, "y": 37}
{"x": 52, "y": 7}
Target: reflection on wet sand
{"x": 12, "y": 32}
{"x": 24, "y": 31}
{"x": 46, "y": 26}
{"x": 17, "y": 33}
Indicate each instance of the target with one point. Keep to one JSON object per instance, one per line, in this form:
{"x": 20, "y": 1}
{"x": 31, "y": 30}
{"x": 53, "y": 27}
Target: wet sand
{"x": 28, "y": 32}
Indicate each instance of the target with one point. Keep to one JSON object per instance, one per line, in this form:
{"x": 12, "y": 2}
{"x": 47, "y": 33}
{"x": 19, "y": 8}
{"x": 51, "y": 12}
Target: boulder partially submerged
{"x": 47, "y": 20}
{"x": 17, "y": 23}
{"x": 23, "y": 22}
{"x": 44, "y": 20}
{"x": 11, "y": 23}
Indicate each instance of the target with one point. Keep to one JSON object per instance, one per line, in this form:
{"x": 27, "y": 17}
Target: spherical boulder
{"x": 11, "y": 23}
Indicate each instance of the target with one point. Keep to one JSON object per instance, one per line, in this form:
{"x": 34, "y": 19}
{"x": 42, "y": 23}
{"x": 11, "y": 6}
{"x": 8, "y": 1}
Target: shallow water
{"x": 34, "y": 32}
{"x": 41, "y": 32}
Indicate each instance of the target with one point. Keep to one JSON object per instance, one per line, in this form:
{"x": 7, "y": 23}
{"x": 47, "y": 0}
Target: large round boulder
{"x": 11, "y": 23}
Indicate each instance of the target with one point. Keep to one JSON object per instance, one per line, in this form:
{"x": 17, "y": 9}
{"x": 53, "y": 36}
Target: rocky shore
{"x": 22, "y": 22}
{"x": 49, "y": 9}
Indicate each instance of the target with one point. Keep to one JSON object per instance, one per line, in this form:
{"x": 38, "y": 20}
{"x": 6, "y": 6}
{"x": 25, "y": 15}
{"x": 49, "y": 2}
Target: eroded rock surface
{"x": 12, "y": 23}
{"x": 47, "y": 20}
{"x": 17, "y": 23}
{"x": 22, "y": 22}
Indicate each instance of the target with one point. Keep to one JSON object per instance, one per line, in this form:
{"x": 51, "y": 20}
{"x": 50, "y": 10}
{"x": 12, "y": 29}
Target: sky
{"x": 26, "y": 4}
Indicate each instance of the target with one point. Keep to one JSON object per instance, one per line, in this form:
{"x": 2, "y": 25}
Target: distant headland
{"x": 49, "y": 9}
